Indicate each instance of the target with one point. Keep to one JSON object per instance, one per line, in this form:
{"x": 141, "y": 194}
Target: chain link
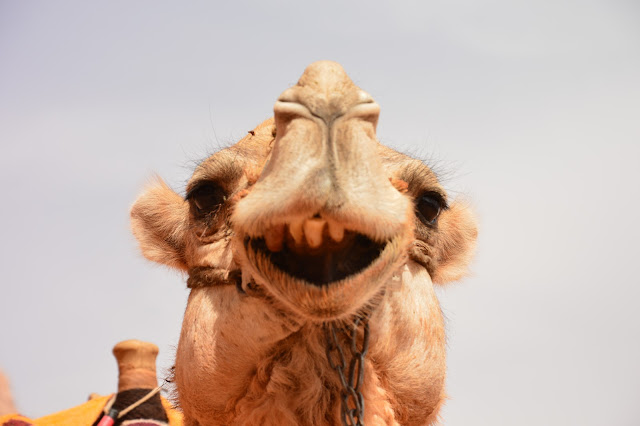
{"x": 352, "y": 401}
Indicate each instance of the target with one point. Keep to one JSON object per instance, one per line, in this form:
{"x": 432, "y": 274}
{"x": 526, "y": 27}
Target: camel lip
{"x": 324, "y": 265}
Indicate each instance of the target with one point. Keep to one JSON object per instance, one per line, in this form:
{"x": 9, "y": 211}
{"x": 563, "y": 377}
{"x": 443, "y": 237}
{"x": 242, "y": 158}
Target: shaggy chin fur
{"x": 252, "y": 349}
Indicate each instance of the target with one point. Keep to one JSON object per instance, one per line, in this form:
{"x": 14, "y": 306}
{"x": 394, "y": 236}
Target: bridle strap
{"x": 208, "y": 276}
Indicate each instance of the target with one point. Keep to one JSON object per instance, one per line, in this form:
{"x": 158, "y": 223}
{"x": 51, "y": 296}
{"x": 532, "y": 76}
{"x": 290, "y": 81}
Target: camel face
{"x": 323, "y": 227}
{"x": 308, "y": 220}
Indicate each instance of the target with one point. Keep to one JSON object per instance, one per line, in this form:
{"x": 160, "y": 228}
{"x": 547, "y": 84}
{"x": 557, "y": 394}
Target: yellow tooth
{"x": 336, "y": 231}
{"x": 313, "y": 231}
{"x": 295, "y": 229}
{"x": 273, "y": 237}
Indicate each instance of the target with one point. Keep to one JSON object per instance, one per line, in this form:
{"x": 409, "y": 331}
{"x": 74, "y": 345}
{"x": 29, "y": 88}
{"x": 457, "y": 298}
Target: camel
{"x": 311, "y": 251}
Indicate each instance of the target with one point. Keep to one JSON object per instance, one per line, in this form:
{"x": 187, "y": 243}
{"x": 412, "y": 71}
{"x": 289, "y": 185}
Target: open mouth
{"x": 317, "y": 252}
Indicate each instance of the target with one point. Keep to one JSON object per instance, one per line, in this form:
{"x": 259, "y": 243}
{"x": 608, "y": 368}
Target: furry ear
{"x": 159, "y": 223}
{"x": 454, "y": 248}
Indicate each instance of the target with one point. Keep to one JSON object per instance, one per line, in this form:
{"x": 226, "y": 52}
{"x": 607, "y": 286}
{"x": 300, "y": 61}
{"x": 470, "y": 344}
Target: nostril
{"x": 364, "y": 97}
{"x": 288, "y": 95}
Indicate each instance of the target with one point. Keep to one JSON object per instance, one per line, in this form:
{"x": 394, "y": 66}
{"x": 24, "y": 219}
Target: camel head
{"x": 313, "y": 217}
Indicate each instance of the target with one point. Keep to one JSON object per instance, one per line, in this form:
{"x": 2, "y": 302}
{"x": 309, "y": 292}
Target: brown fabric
{"x": 151, "y": 409}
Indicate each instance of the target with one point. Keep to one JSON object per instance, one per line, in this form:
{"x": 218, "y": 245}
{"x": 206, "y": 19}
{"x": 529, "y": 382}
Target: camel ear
{"x": 159, "y": 222}
{"x": 456, "y": 242}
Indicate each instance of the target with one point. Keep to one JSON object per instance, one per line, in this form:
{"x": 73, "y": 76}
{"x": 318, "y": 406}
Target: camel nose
{"x": 325, "y": 160}
{"x": 326, "y": 91}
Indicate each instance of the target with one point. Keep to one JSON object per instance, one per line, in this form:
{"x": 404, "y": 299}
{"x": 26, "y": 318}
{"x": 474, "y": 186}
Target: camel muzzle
{"x": 322, "y": 214}
{"x": 325, "y": 164}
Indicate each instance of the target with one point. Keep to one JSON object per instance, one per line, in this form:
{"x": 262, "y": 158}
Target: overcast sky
{"x": 529, "y": 109}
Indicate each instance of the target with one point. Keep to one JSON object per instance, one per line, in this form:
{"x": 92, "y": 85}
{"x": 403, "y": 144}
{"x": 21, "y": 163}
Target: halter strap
{"x": 208, "y": 276}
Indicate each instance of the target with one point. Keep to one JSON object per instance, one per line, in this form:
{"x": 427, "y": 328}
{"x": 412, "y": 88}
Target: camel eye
{"x": 206, "y": 198}
{"x": 428, "y": 207}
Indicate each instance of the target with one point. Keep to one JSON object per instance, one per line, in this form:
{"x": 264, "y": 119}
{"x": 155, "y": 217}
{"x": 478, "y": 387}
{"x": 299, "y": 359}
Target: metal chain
{"x": 351, "y": 397}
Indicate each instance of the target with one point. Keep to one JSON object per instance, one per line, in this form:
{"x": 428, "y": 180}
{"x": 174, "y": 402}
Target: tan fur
{"x": 159, "y": 223}
{"x": 456, "y": 243}
{"x": 254, "y": 352}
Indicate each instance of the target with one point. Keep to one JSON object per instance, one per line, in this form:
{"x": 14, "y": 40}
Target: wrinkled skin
{"x": 306, "y": 221}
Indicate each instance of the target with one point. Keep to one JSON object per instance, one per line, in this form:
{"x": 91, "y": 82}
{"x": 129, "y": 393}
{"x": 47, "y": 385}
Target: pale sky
{"x": 531, "y": 110}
